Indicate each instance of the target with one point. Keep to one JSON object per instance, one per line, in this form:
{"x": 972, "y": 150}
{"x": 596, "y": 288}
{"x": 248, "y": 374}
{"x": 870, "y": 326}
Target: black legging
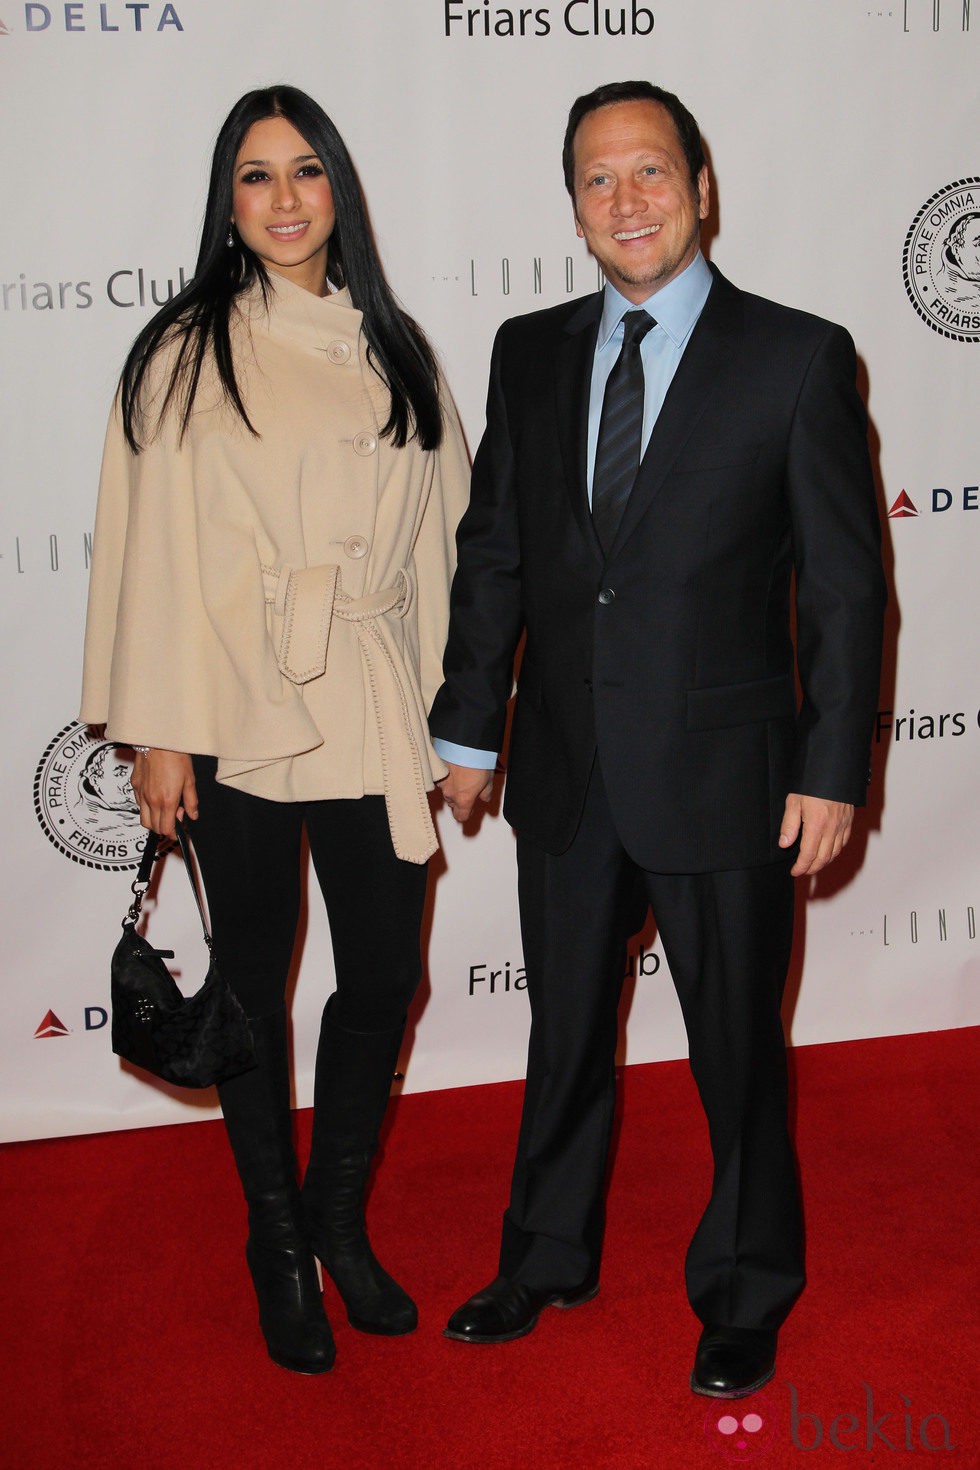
{"x": 249, "y": 854}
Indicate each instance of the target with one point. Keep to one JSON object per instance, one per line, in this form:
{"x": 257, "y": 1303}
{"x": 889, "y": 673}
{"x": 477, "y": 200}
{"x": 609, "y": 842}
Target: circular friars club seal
{"x": 941, "y": 261}
{"x": 84, "y": 801}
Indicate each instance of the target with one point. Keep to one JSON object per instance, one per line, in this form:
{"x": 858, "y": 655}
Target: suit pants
{"x": 727, "y": 938}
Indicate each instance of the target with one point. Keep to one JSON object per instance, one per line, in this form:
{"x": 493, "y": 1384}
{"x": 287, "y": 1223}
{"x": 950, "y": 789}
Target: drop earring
{"x": 231, "y": 237}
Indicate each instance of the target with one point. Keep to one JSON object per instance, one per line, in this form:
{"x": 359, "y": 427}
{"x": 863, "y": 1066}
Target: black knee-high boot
{"x": 257, "y": 1118}
{"x": 354, "y": 1070}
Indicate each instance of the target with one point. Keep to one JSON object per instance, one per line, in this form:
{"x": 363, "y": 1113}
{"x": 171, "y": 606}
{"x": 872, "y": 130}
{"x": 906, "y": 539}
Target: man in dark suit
{"x": 661, "y": 460}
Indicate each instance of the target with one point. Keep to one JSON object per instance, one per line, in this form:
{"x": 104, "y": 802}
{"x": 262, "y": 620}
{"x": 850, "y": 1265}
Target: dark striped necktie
{"x": 617, "y": 454}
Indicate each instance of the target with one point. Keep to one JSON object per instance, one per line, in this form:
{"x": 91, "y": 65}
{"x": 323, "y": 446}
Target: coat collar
{"x": 293, "y": 314}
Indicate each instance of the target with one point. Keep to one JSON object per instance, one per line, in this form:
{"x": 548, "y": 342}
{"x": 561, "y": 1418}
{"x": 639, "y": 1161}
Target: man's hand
{"x": 163, "y": 784}
{"x": 461, "y": 788}
{"x": 826, "y": 829}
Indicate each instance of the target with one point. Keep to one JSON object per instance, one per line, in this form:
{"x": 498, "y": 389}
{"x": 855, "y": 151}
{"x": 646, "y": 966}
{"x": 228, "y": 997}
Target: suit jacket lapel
{"x": 699, "y": 374}
{"x": 573, "y": 378}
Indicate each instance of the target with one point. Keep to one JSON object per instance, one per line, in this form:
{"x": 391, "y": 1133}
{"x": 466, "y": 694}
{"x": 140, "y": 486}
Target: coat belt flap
{"x": 303, "y": 603}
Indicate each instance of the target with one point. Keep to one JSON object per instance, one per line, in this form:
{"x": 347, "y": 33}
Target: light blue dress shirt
{"x": 675, "y": 308}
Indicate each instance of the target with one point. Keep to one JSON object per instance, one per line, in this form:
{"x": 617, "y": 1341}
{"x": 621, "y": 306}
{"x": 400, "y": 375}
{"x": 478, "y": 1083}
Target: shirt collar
{"x": 675, "y": 307}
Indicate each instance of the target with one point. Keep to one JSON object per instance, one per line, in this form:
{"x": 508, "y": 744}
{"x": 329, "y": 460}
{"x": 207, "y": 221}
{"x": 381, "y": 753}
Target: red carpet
{"x": 131, "y": 1339}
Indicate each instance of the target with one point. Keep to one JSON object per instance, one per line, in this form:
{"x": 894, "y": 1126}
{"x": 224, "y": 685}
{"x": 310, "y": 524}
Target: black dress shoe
{"x": 733, "y": 1361}
{"x": 507, "y": 1309}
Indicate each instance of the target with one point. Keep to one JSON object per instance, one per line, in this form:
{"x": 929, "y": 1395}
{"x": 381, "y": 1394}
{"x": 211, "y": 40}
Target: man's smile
{"x": 636, "y": 234}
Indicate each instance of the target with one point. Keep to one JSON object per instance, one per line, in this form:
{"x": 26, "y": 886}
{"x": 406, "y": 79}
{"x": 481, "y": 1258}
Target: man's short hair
{"x": 687, "y": 129}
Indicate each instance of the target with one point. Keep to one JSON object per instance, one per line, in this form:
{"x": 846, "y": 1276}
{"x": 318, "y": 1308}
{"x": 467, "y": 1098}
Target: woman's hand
{"x": 163, "y": 784}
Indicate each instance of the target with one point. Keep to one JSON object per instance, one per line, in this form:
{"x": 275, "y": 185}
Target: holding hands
{"x": 463, "y": 787}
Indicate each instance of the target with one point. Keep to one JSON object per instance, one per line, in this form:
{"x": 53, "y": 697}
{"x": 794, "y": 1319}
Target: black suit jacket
{"x": 674, "y": 654}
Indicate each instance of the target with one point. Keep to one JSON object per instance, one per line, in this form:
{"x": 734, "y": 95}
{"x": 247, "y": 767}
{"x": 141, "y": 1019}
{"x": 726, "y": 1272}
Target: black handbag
{"x": 194, "y": 1041}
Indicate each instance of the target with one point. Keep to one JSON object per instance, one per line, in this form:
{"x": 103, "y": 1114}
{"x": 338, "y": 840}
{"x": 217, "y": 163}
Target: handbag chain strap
{"x": 142, "y": 880}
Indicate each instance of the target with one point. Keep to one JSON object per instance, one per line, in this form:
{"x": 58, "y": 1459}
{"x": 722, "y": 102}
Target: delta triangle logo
{"x": 51, "y": 1026}
{"x": 902, "y": 507}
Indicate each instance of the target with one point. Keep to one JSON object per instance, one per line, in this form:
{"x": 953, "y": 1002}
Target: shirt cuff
{"x": 465, "y": 755}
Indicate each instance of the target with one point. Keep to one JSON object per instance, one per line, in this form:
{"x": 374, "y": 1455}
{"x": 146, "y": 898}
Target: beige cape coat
{"x": 280, "y": 602}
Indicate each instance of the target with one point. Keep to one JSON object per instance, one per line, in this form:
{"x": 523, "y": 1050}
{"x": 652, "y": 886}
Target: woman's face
{"x": 282, "y": 203}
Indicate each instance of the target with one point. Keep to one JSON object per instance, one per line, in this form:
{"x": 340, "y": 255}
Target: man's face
{"x": 636, "y": 206}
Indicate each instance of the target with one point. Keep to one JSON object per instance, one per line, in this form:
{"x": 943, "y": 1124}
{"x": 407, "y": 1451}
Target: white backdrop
{"x": 843, "y": 142}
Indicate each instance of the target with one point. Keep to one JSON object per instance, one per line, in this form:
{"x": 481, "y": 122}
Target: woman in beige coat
{"x": 274, "y": 544}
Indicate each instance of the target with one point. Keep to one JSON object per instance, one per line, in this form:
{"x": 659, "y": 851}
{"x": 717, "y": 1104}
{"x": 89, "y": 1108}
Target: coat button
{"x": 365, "y": 442}
{"x": 606, "y": 596}
{"x": 338, "y": 352}
{"x": 356, "y": 546}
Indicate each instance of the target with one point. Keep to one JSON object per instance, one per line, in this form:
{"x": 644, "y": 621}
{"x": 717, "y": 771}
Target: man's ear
{"x": 704, "y": 193}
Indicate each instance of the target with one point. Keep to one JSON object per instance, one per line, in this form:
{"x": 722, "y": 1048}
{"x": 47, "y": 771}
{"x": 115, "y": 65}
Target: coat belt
{"x": 305, "y": 601}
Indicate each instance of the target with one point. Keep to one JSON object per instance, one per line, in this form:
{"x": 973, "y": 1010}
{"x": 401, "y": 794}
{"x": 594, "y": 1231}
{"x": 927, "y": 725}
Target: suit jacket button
{"x": 356, "y": 546}
{"x": 365, "y": 443}
{"x": 338, "y": 352}
{"x": 606, "y": 596}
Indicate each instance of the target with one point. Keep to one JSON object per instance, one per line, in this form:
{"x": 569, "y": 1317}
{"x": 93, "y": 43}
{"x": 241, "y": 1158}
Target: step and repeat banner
{"x": 844, "y": 141}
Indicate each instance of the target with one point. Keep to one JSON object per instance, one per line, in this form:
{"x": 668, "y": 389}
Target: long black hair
{"x": 196, "y": 319}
